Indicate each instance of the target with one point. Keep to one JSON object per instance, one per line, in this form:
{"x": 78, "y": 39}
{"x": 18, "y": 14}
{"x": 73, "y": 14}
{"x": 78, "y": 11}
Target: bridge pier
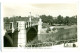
{"x": 21, "y": 34}
{"x": 22, "y": 39}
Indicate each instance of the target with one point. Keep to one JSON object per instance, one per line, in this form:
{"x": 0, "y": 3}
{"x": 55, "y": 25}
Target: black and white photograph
{"x": 40, "y": 25}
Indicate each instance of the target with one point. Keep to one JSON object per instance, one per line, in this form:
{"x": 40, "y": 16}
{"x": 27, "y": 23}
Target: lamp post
{"x": 30, "y": 20}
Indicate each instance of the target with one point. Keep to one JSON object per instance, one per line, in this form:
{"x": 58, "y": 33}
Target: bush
{"x": 54, "y": 29}
{"x": 48, "y": 30}
{"x": 45, "y": 25}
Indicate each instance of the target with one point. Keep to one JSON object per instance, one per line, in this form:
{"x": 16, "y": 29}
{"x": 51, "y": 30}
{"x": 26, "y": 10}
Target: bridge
{"x": 25, "y": 32}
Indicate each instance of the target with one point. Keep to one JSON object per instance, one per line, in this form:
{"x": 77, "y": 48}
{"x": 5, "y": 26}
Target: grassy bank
{"x": 62, "y": 34}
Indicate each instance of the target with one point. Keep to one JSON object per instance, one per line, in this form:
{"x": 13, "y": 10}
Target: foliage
{"x": 66, "y": 20}
{"x": 6, "y": 20}
{"x": 59, "y": 19}
{"x": 48, "y": 29}
{"x": 54, "y": 29}
{"x": 62, "y": 34}
{"x": 49, "y": 20}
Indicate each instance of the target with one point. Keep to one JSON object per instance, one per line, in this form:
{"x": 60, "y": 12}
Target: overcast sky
{"x": 54, "y": 9}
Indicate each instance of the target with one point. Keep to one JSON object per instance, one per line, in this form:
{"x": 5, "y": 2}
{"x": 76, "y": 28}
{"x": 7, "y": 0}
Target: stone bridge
{"x": 25, "y": 32}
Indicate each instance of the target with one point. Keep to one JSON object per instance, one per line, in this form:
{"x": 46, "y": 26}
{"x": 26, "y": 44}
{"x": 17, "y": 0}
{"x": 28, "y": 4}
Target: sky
{"x": 36, "y": 9}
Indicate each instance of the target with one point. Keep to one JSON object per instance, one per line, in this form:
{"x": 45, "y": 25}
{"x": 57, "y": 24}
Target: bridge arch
{"x": 8, "y": 41}
{"x": 31, "y": 34}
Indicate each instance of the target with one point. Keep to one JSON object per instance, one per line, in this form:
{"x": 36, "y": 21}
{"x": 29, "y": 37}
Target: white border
{"x": 46, "y": 50}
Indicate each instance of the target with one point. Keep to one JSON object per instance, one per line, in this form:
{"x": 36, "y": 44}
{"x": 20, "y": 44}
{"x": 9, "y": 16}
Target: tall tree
{"x": 66, "y": 20}
{"x": 47, "y": 19}
{"x": 59, "y": 19}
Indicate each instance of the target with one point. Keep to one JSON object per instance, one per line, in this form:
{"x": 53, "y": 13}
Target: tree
{"x": 6, "y": 20}
{"x": 44, "y": 18}
{"x": 47, "y": 19}
{"x": 73, "y": 20}
{"x": 66, "y": 20}
{"x": 50, "y": 19}
{"x": 60, "y": 19}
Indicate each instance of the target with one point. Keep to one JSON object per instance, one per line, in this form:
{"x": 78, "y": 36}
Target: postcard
{"x": 39, "y": 25}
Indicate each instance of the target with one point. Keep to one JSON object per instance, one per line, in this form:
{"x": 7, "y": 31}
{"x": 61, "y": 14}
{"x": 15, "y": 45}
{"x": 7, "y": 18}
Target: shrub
{"x": 48, "y": 30}
{"x": 54, "y": 29}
